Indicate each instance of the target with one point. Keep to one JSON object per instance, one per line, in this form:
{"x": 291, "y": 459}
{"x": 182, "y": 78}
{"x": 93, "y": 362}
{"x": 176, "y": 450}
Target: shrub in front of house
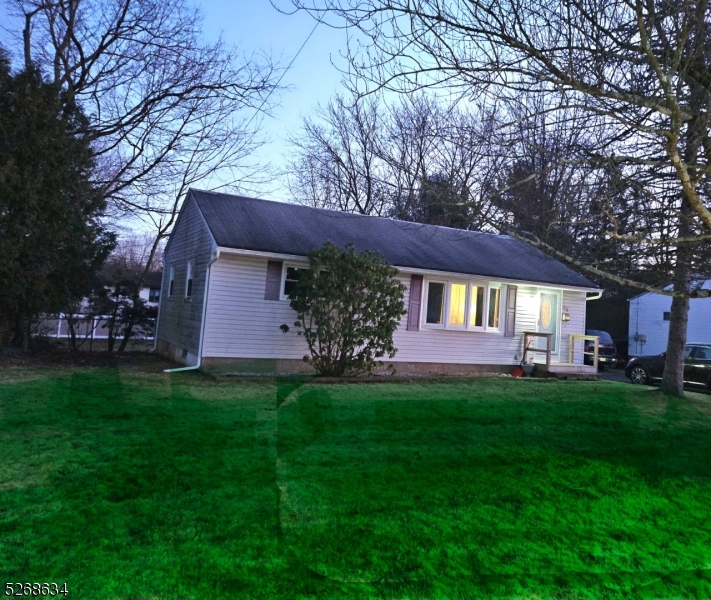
{"x": 348, "y": 305}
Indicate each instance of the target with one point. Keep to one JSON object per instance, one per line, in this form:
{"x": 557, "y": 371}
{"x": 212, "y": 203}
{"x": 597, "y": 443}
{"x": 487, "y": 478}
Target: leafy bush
{"x": 348, "y": 306}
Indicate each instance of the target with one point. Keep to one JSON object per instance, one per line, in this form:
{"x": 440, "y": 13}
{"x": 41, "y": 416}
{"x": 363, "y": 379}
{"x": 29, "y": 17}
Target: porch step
{"x": 570, "y": 371}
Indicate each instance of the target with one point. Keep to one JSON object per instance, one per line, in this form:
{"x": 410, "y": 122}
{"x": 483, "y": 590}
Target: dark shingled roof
{"x": 267, "y": 226}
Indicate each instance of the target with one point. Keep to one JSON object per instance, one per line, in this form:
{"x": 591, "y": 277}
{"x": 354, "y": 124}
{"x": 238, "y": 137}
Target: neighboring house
{"x": 230, "y": 262}
{"x": 95, "y": 325}
{"x": 150, "y": 290}
{"x": 649, "y": 322}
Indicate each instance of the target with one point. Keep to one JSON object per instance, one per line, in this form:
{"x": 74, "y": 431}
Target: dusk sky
{"x": 256, "y": 25}
{"x": 253, "y": 26}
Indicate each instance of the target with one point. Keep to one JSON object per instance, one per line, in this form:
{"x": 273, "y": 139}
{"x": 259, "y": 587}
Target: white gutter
{"x": 202, "y": 320}
{"x": 597, "y": 297}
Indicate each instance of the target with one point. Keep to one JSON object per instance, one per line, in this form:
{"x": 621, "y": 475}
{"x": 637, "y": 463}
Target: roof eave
{"x": 402, "y": 269}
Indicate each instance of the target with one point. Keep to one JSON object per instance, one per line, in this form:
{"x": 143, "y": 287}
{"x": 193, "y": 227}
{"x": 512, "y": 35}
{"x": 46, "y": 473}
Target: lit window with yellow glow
{"x": 494, "y": 307}
{"x": 476, "y": 303}
{"x": 457, "y": 304}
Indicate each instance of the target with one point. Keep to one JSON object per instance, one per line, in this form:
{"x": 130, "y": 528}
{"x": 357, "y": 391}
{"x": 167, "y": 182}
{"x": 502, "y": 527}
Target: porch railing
{"x": 547, "y": 350}
{"x": 579, "y": 336}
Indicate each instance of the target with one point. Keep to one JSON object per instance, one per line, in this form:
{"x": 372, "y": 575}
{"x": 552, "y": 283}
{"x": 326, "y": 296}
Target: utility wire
{"x": 282, "y": 75}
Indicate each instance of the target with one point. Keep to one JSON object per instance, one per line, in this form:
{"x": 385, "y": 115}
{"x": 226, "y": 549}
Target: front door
{"x": 548, "y": 319}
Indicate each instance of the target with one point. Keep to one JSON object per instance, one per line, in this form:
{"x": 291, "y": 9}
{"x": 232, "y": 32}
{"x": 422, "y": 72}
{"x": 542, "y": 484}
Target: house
{"x": 649, "y": 321}
{"x": 94, "y": 326}
{"x": 470, "y": 296}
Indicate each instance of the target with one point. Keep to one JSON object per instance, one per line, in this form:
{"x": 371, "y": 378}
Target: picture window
{"x": 461, "y": 305}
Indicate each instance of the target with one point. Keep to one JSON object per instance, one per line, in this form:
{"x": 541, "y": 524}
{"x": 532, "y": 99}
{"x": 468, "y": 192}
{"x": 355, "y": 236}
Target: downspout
{"x": 202, "y": 321}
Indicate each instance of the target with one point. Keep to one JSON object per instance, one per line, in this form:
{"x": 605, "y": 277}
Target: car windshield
{"x": 688, "y": 351}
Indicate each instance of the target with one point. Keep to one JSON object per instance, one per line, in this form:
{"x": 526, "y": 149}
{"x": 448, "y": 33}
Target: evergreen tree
{"x": 51, "y": 239}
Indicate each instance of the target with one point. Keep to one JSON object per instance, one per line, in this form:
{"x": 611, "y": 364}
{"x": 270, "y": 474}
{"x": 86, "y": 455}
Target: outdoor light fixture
{"x": 565, "y": 316}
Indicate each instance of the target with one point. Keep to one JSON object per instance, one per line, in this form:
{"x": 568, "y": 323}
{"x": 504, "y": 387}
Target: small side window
{"x": 171, "y": 281}
{"x": 189, "y": 280}
{"x": 476, "y": 304}
{"x": 290, "y": 280}
{"x": 667, "y": 315}
{"x": 154, "y": 295}
{"x": 494, "y": 297}
{"x": 435, "y": 303}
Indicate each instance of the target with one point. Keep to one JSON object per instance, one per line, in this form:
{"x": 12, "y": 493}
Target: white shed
{"x": 649, "y": 322}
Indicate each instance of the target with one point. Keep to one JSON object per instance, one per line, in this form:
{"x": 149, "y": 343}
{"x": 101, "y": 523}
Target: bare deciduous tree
{"x": 338, "y": 162}
{"x": 166, "y": 110}
{"x": 392, "y": 160}
{"x": 135, "y": 252}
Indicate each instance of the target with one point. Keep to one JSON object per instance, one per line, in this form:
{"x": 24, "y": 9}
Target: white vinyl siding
{"x": 647, "y": 318}
{"x": 240, "y": 324}
{"x": 180, "y": 317}
{"x": 574, "y": 305}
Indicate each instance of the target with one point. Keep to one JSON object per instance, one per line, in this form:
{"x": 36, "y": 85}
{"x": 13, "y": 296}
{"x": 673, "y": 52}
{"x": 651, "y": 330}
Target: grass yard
{"x": 127, "y": 484}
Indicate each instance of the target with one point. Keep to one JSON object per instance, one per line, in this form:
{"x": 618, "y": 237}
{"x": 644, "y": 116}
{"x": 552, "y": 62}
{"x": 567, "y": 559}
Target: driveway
{"x": 613, "y": 375}
{"x": 619, "y": 375}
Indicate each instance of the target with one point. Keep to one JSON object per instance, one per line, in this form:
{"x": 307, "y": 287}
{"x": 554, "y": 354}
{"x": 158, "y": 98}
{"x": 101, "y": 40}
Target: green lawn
{"x": 127, "y": 484}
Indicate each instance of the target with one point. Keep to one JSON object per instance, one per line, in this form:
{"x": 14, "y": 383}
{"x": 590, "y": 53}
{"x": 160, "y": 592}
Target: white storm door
{"x": 549, "y": 319}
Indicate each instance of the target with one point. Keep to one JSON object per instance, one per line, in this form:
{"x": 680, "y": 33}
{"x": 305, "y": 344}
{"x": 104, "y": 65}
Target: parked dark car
{"x": 697, "y": 366}
{"x": 606, "y": 349}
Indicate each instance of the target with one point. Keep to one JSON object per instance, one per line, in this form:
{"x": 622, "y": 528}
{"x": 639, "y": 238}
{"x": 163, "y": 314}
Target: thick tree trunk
{"x": 673, "y": 380}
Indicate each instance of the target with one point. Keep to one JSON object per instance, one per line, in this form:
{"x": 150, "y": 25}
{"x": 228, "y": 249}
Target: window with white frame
{"x": 435, "y": 303}
{"x": 290, "y": 279}
{"x": 171, "y": 280}
{"x": 189, "y": 280}
{"x": 477, "y": 296}
{"x": 494, "y": 303}
{"x": 470, "y": 306}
